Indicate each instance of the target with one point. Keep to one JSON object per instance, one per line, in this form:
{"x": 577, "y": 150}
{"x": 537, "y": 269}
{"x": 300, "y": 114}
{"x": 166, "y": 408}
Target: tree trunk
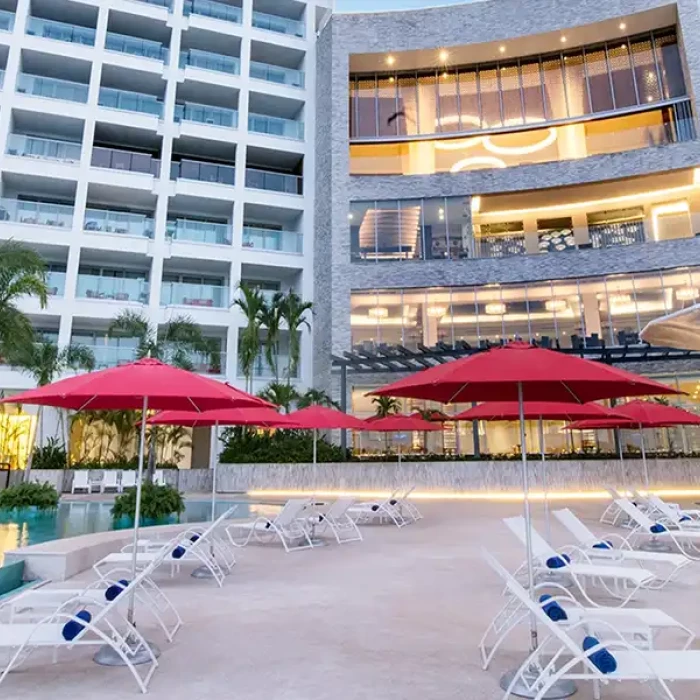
{"x": 151, "y": 470}
{"x": 32, "y": 447}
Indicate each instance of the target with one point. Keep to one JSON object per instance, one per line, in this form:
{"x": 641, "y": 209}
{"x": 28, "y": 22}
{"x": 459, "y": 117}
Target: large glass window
{"x": 554, "y": 91}
{"x": 448, "y": 103}
{"x": 363, "y": 234}
{"x": 366, "y": 106}
{"x": 428, "y": 117}
{"x": 577, "y": 98}
{"x": 623, "y": 81}
{"x": 512, "y": 97}
{"x": 407, "y": 106}
{"x": 386, "y": 106}
{"x": 533, "y": 96}
{"x": 599, "y": 80}
{"x": 458, "y": 221}
{"x": 469, "y": 103}
{"x": 437, "y": 245}
{"x": 490, "y": 99}
{"x": 645, "y": 73}
{"x": 670, "y": 65}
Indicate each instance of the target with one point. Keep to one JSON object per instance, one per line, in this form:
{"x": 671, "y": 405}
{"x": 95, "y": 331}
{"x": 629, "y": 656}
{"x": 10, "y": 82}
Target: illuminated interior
{"x": 16, "y": 435}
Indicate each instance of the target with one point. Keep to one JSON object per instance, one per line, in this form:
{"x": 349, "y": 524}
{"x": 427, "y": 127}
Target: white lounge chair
{"x": 406, "y": 507}
{"x": 159, "y": 477}
{"x": 110, "y": 480}
{"x": 571, "y": 653}
{"x": 96, "y": 624}
{"x": 612, "y": 514}
{"x": 379, "y": 511}
{"x": 81, "y": 481}
{"x": 621, "y": 582}
{"x": 614, "y": 547}
{"x": 635, "y": 623}
{"x": 336, "y": 519}
{"x": 128, "y": 480}
{"x": 290, "y": 526}
{"x": 675, "y": 515}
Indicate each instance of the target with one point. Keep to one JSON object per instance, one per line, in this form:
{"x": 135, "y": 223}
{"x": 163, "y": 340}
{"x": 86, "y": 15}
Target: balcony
{"x": 280, "y": 25}
{"x": 112, "y": 288}
{"x": 111, "y": 355}
{"x": 125, "y": 160}
{"x": 206, "y": 114}
{"x": 202, "y": 295}
{"x": 272, "y": 240}
{"x": 277, "y": 74}
{"x": 118, "y": 222}
{"x": 55, "y": 89}
{"x": 56, "y": 283}
{"x": 276, "y": 126}
{"x": 122, "y": 43}
{"x": 499, "y": 246}
{"x": 44, "y": 149}
{"x": 262, "y": 370}
{"x": 208, "y": 363}
{"x": 36, "y": 213}
{"x": 2, "y": 78}
{"x": 615, "y": 234}
{"x": 199, "y": 231}
{"x": 7, "y": 21}
{"x": 274, "y": 182}
{"x": 168, "y": 4}
{"x": 216, "y": 10}
{"x": 130, "y": 101}
{"x": 210, "y": 61}
{"x": 60, "y": 31}
{"x": 203, "y": 172}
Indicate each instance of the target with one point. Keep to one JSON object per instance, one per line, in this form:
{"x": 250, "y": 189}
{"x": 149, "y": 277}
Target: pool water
{"x": 19, "y": 528}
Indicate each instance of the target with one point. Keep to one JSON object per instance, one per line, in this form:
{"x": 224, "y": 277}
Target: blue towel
{"x": 602, "y": 659}
{"x": 179, "y": 552}
{"x": 73, "y": 628}
{"x": 115, "y": 589}
{"x": 603, "y": 545}
{"x": 657, "y": 529}
{"x": 558, "y": 562}
{"x": 552, "y": 609}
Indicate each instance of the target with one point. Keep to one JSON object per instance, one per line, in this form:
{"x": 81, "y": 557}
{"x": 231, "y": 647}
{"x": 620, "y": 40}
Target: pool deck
{"x": 396, "y": 617}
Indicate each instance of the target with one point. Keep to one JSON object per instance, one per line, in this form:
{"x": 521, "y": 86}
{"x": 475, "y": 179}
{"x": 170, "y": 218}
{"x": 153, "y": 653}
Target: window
{"x": 599, "y": 80}
{"x": 623, "y": 81}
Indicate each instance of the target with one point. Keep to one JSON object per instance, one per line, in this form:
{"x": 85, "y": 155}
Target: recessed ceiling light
{"x": 563, "y": 40}
{"x": 390, "y": 60}
{"x": 444, "y": 56}
{"x": 502, "y": 49}
{"x": 623, "y": 26}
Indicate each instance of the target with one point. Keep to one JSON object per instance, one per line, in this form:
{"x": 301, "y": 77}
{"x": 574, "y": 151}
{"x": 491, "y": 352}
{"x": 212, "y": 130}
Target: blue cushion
{"x": 73, "y": 628}
{"x": 194, "y": 538}
{"x": 553, "y": 610}
{"x": 684, "y": 519}
{"x": 558, "y": 562}
{"x": 657, "y": 529}
{"x": 375, "y": 508}
{"x": 393, "y": 502}
{"x": 602, "y": 659}
{"x": 179, "y": 552}
{"x": 603, "y": 545}
{"x": 115, "y": 589}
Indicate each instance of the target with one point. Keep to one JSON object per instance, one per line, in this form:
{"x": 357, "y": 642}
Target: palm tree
{"x": 386, "y": 406}
{"x": 270, "y": 318}
{"x": 293, "y": 311}
{"x": 316, "y": 397}
{"x": 45, "y": 362}
{"x": 251, "y": 303}
{"x": 284, "y": 395}
{"x": 22, "y": 274}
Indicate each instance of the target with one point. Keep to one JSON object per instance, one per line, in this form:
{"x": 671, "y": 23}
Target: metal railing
{"x": 36, "y": 213}
{"x": 56, "y": 283}
{"x": 46, "y": 149}
{"x": 281, "y": 25}
{"x": 262, "y": 369}
{"x": 61, "y": 31}
{"x": 275, "y": 182}
{"x": 126, "y": 223}
{"x": 202, "y": 295}
{"x": 499, "y": 246}
{"x": 145, "y": 48}
{"x": 204, "y": 172}
{"x": 125, "y": 160}
{"x": 276, "y": 126}
{"x": 268, "y": 239}
{"x": 7, "y": 21}
{"x": 206, "y": 114}
{"x": 210, "y": 61}
{"x": 130, "y": 101}
{"x": 217, "y": 10}
{"x": 55, "y": 89}
{"x": 199, "y": 231}
{"x": 277, "y": 74}
{"x": 617, "y": 234}
{"x": 114, "y": 288}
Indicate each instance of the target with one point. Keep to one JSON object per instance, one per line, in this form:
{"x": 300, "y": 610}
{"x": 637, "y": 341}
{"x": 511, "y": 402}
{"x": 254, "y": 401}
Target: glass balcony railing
{"x": 2, "y": 78}
{"x": 276, "y": 126}
{"x": 277, "y": 74}
{"x": 217, "y": 10}
{"x": 268, "y": 239}
{"x": 136, "y": 47}
{"x": 199, "y": 231}
{"x": 114, "y": 288}
{"x": 49, "y": 29}
{"x": 45, "y": 149}
{"x": 161, "y": 3}
{"x": 210, "y": 61}
{"x": 56, "y": 283}
{"x": 208, "y": 363}
{"x": 125, "y": 160}
{"x": 37, "y": 213}
{"x": 130, "y": 101}
{"x": 204, "y": 172}
{"x": 126, "y": 223}
{"x": 262, "y": 370}
{"x": 281, "y": 25}
{"x": 206, "y": 114}
{"x": 276, "y": 182}
{"x": 111, "y": 356}
{"x": 7, "y": 21}
{"x": 184, "y": 294}
{"x": 52, "y": 88}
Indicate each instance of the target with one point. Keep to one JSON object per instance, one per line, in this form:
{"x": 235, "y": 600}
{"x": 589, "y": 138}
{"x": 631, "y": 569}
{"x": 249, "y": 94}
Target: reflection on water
{"x": 29, "y": 526}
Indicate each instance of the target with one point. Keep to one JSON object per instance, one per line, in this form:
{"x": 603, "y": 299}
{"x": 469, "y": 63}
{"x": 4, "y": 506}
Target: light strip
{"x": 460, "y": 145}
{"x": 477, "y": 160}
{"x": 547, "y": 141}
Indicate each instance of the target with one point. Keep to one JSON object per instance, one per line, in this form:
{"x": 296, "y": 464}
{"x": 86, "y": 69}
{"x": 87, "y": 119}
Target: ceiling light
{"x": 436, "y": 311}
{"x": 444, "y": 56}
{"x": 623, "y": 26}
{"x": 563, "y": 40}
{"x": 620, "y": 298}
{"x": 378, "y": 312}
{"x": 350, "y": 217}
{"x": 391, "y": 79}
{"x": 687, "y": 293}
{"x": 390, "y": 60}
{"x": 556, "y": 305}
{"x": 502, "y": 49}
{"x": 497, "y": 308}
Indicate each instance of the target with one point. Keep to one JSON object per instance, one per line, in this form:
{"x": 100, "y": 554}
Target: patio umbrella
{"x": 141, "y": 385}
{"x": 323, "y": 418}
{"x": 539, "y": 411}
{"x": 400, "y": 423}
{"x": 521, "y": 372}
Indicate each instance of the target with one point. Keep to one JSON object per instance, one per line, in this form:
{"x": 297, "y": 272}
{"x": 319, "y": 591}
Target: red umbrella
{"x": 399, "y": 423}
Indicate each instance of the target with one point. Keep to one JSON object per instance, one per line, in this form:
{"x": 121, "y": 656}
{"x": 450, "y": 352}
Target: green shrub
{"x": 51, "y": 456}
{"x": 156, "y": 502}
{"x": 25, "y": 495}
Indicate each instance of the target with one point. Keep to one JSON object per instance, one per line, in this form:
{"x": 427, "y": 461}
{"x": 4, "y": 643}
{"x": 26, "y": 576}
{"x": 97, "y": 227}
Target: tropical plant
{"x": 22, "y": 274}
{"x": 316, "y": 397}
{"x": 293, "y": 312}
{"x": 270, "y": 318}
{"x": 251, "y": 303}
{"x": 26, "y": 495}
{"x": 386, "y": 406}
{"x": 156, "y": 502}
{"x": 284, "y": 395}
{"x": 52, "y": 455}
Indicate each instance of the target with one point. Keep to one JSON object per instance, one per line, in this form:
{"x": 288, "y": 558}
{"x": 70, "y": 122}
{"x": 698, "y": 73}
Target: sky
{"x": 379, "y": 5}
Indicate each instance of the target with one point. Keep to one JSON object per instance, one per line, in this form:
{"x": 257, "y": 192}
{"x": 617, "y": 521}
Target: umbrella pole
{"x": 618, "y": 437}
{"x": 545, "y": 487}
{"x": 205, "y": 571}
{"x": 525, "y": 686}
{"x": 644, "y": 459}
{"x": 315, "y": 446}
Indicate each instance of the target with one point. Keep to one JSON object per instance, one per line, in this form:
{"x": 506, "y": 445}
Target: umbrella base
{"x": 655, "y": 545}
{"x": 561, "y": 689}
{"x": 317, "y": 543}
{"x": 202, "y": 572}
{"x": 107, "y": 656}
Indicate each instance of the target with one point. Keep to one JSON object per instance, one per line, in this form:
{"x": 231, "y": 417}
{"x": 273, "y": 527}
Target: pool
{"x": 26, "y": 527}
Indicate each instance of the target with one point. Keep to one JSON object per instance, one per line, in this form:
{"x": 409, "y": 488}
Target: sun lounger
{"x": 81, "y": 481}
{"x": 336, "y": 519}
{"x": 380, "y": 511}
